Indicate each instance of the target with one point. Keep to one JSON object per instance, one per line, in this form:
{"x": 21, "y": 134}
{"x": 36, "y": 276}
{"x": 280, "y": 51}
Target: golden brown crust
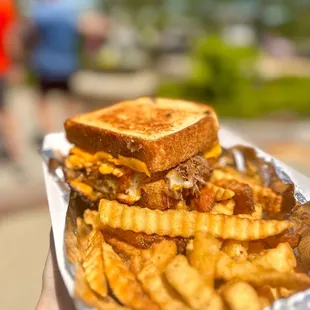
{"x": 192, "y": 129}
{"x": 154, "y": 196}
{"x": 70, "y": 232}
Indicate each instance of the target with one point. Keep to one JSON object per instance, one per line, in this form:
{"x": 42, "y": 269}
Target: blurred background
{"x": 250, "y": 59}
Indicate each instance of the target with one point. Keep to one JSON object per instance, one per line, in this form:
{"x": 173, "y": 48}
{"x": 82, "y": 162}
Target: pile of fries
{"x": 228, "y": 256}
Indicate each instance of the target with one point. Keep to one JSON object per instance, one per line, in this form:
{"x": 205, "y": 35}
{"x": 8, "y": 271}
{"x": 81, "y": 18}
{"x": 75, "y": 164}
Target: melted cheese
{"x": 176, "y": 182}
{"x": 74, "y": 161}
{"x": 133, "y": 192}
{"x": 132, "y": 163}
{"x": 109, "y": 165}
{"x": 108, "y": 168}
{"x": 103, "y": 156}
{"x": 81, "y": 187}
{"x": 87, "y": 156}
{"x": 214, "y": 152}
{"x": 85, "y": 189}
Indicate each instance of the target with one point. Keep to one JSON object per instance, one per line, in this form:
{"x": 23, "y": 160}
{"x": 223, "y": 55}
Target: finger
{"x": 54, "y": 295}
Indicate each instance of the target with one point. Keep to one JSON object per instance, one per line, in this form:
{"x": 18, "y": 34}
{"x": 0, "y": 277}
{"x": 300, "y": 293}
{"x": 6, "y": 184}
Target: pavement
{"x": 24, "y": 218}
{"x": 24, "y": 239}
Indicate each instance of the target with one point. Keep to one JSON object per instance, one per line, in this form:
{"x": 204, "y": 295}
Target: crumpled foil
{"x": 247, "y": 160}
{"x": 295, "y": 206}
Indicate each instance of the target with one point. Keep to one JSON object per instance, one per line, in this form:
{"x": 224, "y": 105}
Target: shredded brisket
{"x": 197, "y": 170}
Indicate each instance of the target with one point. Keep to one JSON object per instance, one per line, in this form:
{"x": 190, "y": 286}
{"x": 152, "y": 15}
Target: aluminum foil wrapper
{"x": 294, "y": 187}
{"x": 296, "y": 207}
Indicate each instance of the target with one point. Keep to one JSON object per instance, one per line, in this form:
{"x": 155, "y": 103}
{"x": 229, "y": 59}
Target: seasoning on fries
{"x": 93, "y": 264}
{"x": 185, "y": 223}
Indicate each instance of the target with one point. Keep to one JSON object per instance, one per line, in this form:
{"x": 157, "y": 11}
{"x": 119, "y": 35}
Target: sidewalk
{"x": 24, "y": 240}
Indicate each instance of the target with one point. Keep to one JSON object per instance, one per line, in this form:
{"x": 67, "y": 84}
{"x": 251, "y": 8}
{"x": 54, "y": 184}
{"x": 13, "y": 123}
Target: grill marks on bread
{"x": 161, "y": 134}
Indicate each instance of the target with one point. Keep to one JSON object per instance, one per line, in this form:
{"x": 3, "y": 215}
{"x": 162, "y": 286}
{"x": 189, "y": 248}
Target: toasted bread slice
{"x": 153, "y": 196}
{"x": 160, "y": 132}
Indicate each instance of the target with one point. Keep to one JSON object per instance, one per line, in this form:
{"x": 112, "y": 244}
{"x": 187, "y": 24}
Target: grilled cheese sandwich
{"x": 120, "y": 151}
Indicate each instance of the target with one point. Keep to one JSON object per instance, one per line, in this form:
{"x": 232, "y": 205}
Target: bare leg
{"x": 44, "y": 114}
{"x": 10, "y": 134}
{"x": 71, "y": 106}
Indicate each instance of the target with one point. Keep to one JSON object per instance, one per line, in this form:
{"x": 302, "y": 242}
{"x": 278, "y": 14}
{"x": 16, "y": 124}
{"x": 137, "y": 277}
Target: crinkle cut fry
{"x": 269, "y": 200}
{"x": 71, "y": 244}
{"x": 136, "y": 264}
{"x": 93, "y": 264}
{"x": 289, "y": 280}
{"x": 83, "y": 232}
{"x": 224, "y": 207}
{"x": 238, "y": 250}
{"x": 188, "y": 282}
{"x": 133, "y": 240}
{"x": 258, "y": 276}
{"x": 91, "y": 217}
{"x": 123, "y": 282}
{"x": 122, "y": 247}
{"x": 185, "y": 223}
{"x": 83, "y": 292}
{"x": 156, "y": 285}
{"x": 281, "y": 258}
{"x": 240, "y": 295}
{"x": 139, "y": 241}
{"x": 219, "y": 174}
{"x": 203, "y": 253}
{"x": 220, "y": 193}
{"x": 82, "y": 289}
{"x": 160, "y": 254}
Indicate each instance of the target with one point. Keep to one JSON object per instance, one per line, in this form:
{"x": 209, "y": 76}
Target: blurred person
{"x": 54, "y": 56}
{"x": 55, "y": 26}
{"x": 8, "y": 47}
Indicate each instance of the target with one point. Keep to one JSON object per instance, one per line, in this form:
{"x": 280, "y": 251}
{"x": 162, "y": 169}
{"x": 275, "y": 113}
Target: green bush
{"x": 290, "y": 94}
{"x": 220, "y": 71}
{"x": 224, "y": 77}
{"x": 221, "y": 74}
{"x": 285, "y": 94}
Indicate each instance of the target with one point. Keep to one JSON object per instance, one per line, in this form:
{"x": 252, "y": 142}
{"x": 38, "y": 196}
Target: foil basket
{"x": 238, "y": 153}
{"x": 299, "y": 301}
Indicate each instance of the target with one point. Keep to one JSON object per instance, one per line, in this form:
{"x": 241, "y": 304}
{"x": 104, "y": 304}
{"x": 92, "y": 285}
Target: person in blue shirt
{"x": 54, "y": 57}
